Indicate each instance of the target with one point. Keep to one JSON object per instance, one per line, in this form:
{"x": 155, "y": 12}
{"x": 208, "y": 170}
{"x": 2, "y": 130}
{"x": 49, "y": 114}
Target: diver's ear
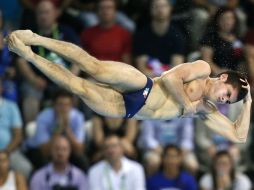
{"x": 223, "y": 77}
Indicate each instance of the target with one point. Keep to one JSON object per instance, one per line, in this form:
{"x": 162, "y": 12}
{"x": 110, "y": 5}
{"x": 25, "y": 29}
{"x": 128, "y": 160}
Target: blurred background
{"x": 50, "y": 140}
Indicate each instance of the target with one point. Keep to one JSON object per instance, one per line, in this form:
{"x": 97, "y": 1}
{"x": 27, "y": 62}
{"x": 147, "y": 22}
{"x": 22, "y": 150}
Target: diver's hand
{"x": 17, "y": 46}
{"x": 26, "y": 36}
{"x": 248, "y": 97}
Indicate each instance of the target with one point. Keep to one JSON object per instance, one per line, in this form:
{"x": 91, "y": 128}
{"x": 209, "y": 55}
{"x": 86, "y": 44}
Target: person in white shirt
{"x": 9, "y": 179}
{"x": 116, "y": 172}
{"x": 223, "y": 175}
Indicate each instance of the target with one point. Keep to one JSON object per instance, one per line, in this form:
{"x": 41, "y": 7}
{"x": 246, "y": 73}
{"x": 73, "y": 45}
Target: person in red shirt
{"x": 107, "y": 40}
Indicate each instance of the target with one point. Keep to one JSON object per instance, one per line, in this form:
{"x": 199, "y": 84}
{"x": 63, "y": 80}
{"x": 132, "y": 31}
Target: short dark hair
{"x": 234, "y": 79}
{"x": 116, "y": 2}
{"x": 151, "y": 2}
{"x": 172, "y": 146}
{"x": 62, "y": 93}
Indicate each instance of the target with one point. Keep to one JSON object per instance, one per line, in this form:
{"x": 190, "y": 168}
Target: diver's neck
{"x": 208, "y": 84}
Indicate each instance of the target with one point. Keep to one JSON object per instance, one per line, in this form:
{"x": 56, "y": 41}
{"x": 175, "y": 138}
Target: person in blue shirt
{"x": 11, "y": 134}
{"x": 172, "y": 176}
{"x": 7, "y": 68}
{"x": 60, "y": 119}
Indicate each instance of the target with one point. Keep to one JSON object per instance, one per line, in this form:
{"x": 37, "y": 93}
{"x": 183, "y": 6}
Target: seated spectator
{"x": 59, "y": 174}
{"x": 125, "y": 129}
{"x": 28, "y": 17}
{"x": 89, "y": 18}
{"x": 220, "y": 46}
{"x": 159, "y": 45}
{"x": 156, "y": 134}
{"x": 9, "y": 179}
{"x": 116, "y": 172}
{"x": 241, "y": 15}
{"x": 171, "y": 175}
{"x": 107, "y": 40}
{"x": 223, "y": 175}
{"x": 11, "y": 135}
{"x": 61, "y": 119}
{"x": 36, "y": 88}
{"x": 7, "y": 69}
{"x": 202, "y": 11}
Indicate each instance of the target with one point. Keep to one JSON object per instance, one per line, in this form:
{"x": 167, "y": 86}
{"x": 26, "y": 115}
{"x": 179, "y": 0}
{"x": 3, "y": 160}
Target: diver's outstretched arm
{"x": 235, "y": 131}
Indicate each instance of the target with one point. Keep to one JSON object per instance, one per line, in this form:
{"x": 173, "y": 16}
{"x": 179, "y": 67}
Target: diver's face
{"x": 225, "y": 94}
{"x": 222, "y": 92}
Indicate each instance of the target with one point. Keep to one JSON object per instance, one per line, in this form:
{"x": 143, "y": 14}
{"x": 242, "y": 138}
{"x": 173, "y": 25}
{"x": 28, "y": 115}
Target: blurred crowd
{"x": 50, "y": 140}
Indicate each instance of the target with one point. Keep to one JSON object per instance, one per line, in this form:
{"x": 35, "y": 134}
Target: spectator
{"x": 36, "y": 86}
{"x": 125, "y": 129}
{"x": 223, "y": 175}
{"x": 116, "y": 172}
{"x": 171, "y": 175}
{"x": 7, "y": 69}
{"x": 159, "y": 45}
{"x": 107, "y": 40}
{"x": 30, "y": 6}
{"x": 156, "y": 134}
{"x": 220, "y": 46}
{"x": 201, "y": 12}
{"x": 9, "y": 179}
{"x": 241, "y": 15}
{"x": 59, "y": 174}
{"x": 89, "y": 18}
{"x": 11, "y": 135}
{"x": 62, "y": 119}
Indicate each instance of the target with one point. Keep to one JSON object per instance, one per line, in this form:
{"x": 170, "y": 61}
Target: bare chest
{"x": 194, "y": 90}
{"x": 161, "y": 105}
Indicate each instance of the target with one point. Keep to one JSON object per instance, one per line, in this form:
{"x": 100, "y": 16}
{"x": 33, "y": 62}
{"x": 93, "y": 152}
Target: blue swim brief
{"x": 134, "y": 101}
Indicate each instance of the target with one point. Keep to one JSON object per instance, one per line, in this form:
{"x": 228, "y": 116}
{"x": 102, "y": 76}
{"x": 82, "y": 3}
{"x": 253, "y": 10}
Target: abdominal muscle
{"x": 159, "y": 105}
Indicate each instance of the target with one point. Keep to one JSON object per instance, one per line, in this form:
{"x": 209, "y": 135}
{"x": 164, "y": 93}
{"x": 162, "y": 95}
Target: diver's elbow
{"x": 239, "y": 140}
